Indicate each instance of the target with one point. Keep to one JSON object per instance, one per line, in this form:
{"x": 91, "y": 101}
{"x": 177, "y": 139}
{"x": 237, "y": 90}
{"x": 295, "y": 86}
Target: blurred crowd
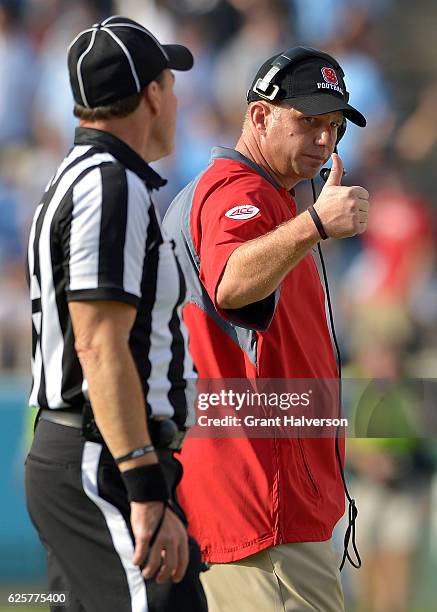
{"x": 384, "y": 284}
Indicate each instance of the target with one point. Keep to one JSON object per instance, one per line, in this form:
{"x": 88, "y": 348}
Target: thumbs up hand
{"x": 336, "y": 172}
{"x": 343, "y": 210}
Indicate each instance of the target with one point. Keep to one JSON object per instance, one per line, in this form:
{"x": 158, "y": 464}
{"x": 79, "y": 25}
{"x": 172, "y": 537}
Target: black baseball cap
{"x": 116, "y": 58}
{"x": 311, "y": 81}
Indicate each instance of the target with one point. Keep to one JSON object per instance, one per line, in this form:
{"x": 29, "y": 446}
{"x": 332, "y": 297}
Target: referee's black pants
{"x": 78, "y": 504}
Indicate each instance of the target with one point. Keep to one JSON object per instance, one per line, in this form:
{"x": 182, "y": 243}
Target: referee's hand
{"x": 168, "y": 555}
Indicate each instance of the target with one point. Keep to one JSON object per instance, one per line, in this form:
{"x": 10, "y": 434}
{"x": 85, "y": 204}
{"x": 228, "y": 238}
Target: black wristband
{"x": 137, "y": 452}
{"x": 146, "y": 483}
{"x": 317, "y": 222}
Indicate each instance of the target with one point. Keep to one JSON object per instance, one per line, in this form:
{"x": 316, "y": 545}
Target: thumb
{"x": 336, "y": 174}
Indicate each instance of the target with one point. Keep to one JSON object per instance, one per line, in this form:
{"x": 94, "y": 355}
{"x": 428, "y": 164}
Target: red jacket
{"x": 243, "y": 495}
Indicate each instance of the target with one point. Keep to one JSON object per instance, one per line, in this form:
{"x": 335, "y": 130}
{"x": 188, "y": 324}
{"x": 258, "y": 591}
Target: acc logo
{"x": 329, "y": 75}
{"x": 242, "y": 211}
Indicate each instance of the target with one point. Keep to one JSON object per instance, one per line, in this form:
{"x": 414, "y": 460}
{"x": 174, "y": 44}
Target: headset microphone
{"x": 325, "y": 172}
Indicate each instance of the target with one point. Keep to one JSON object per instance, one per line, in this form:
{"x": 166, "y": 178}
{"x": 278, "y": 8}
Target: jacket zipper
{"x": 307, "y": 469}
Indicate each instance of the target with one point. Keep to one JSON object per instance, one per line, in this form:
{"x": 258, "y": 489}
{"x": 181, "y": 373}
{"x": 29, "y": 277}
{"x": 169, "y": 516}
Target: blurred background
{"x": 384, "y": 284}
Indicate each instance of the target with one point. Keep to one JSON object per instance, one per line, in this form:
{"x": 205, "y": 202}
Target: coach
{"x": 257, "y": 309}
{"x": 109, "y": 346}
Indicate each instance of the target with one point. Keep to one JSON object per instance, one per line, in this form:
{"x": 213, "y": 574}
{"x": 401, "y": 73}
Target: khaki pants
{"x": 288, "y": 578}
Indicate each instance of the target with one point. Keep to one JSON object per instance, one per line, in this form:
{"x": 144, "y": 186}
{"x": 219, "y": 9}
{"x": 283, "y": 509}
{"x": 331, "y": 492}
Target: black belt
{"x": 164, "y": 433}
{"x": 69, "y": 418}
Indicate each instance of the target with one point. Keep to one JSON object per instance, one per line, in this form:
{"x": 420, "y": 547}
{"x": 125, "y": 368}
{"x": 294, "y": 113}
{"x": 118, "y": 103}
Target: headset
{"x": 268, "y": 89}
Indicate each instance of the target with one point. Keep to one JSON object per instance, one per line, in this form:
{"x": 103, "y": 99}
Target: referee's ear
{"x": 152, "y": 97}
{"x": 153, "y": 93}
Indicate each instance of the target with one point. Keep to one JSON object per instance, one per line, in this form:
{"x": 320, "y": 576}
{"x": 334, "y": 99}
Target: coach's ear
{"x": 259, "y": 115}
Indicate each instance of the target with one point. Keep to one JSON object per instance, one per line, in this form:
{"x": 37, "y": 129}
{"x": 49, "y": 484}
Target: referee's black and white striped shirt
{"x": 96, "y": 235}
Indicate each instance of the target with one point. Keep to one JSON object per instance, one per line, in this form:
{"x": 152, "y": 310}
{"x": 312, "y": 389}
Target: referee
{"x": 109, "y": 346}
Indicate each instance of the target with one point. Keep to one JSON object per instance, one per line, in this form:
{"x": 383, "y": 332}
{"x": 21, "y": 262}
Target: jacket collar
{"x": 121, "y": 151}
{"x": 224, "y": 152}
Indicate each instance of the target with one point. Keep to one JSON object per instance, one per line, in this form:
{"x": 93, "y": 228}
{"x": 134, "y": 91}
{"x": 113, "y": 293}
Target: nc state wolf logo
{"x": 329, "y": 75}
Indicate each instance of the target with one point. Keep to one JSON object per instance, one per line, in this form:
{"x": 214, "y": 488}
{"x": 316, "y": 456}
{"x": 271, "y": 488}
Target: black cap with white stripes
{"x": 117, "y": 58}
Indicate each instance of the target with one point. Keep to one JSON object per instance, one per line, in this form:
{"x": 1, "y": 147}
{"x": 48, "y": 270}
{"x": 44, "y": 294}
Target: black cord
{"x": 153, "y": 538}
{"x": 350, "y": 534}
